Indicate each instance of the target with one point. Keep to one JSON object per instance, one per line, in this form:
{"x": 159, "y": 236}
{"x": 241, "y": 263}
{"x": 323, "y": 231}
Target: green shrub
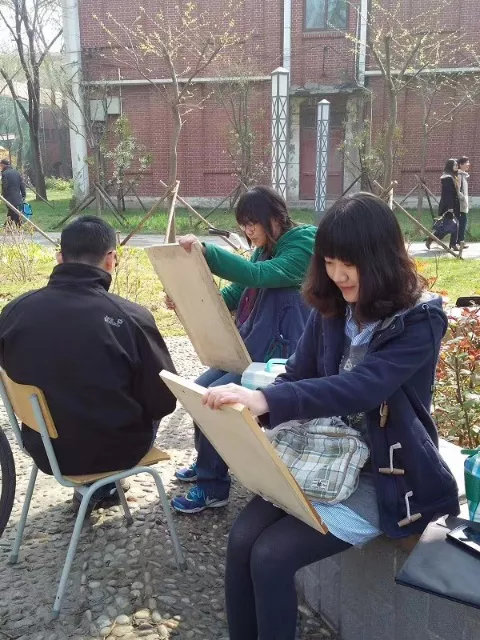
{"x": 457, "y": 390}
{"x": 59, "y": 184}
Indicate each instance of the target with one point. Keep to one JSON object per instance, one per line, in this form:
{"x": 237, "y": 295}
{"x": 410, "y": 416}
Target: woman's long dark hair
{"x": 450, "y": 163}
{"x": 362, "y": 230}
{"x": 262, "y": 205}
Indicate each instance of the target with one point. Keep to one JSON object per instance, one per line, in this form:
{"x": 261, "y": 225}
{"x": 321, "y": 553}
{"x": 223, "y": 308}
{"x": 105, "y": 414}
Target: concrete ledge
{"x": 356, "y": 593}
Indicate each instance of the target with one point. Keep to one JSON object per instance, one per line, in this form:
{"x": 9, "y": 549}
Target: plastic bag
{"x": 27, "y": 210}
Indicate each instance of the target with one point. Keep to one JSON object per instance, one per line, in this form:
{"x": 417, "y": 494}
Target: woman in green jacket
{"x": 269, "y": 313}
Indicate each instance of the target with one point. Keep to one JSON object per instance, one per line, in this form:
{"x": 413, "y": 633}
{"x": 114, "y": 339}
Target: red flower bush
{"x": 457, "y": 390}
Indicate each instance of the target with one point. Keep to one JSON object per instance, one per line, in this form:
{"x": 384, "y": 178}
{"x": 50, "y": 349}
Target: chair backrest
{"x": 20, "y": 398}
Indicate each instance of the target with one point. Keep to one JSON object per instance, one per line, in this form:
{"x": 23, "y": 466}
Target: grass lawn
{"x": 451, "y": 278}
{"x": 25, "y": 266}
{"x": 48, "y": 218}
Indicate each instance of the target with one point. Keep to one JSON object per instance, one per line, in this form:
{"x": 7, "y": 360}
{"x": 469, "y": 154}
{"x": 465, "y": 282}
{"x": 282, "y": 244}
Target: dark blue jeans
{"x": 212, "y": 472}
{"x": 462, "y": 225}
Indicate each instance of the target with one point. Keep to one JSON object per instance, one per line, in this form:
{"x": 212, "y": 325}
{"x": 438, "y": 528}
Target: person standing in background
{"x": 449, "y": 206}
{"x": 463, "y": 176}
{"x": 13, "y": 190}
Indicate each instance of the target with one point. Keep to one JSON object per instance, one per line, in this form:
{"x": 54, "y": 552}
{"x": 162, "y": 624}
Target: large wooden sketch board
{"x": 237, "y": 437}
{"x": 188, "y": 281}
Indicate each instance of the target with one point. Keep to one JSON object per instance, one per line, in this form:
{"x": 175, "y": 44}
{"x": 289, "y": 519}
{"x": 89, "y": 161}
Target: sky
{"x": 51, "y": 23}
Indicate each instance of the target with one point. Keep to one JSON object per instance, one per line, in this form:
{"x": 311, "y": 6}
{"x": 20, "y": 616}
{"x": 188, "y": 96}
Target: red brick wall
{"x": 322, "y": 58}
{"x": 260, "y": 24}
{"x": 459, "y": 136}
{"x": 204, "y": 165}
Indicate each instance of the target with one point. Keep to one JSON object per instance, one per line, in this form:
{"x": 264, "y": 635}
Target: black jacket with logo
{"x": 97, "y": 358}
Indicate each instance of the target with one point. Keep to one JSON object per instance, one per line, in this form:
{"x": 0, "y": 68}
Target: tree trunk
{"x": 173, "y": 161}
{"x": 40, "y": 185}
{"x": 20, "y": 138}
{"x": 120, "y": 191}
{"x": 390, "y": 137}
{"x": 423, "y": 170}
{"x": 98, "y": 180}
{"x": 33, "y": 88}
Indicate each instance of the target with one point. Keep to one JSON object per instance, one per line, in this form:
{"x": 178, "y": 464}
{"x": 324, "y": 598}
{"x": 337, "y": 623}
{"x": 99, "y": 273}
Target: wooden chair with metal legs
{"x": 29, "y": 404}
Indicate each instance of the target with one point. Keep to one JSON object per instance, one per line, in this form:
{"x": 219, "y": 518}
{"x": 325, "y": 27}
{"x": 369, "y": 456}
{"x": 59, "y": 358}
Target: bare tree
{"x": 405, "y": 43}
{"x": 443, "y": 97}
{"x": 246, "y": 148}
{"x": 185, "y": 42}
{"x": 26, "y": 20}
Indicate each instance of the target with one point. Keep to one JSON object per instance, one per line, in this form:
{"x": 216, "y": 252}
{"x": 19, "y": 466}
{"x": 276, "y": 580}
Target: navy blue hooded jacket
{"x": 398, "y": 371}
{"x": 275, "y": 324}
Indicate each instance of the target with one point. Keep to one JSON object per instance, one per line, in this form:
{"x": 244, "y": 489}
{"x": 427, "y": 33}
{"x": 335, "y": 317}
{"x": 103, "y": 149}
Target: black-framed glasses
{"x": 247, "y": 225}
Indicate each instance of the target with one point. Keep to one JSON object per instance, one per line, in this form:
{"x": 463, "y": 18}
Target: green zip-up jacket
{"x": 286, "y": 268}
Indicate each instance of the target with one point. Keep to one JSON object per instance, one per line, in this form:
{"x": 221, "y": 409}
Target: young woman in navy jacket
{"x": 368, "y": 354}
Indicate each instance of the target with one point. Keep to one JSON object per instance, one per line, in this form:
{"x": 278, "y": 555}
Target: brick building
{"x": 323, "y": 63}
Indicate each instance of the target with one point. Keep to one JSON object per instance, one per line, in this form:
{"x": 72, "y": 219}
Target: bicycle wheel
{"x": 7, "y": 481}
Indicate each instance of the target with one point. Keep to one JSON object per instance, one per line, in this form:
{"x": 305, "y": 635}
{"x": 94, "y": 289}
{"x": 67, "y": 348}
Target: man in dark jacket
{"x": 95, "y": 355}
{"x": 13, "y": 189}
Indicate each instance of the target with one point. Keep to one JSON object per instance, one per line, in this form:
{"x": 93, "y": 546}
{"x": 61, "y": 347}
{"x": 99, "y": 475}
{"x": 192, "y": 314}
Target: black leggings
{"x": 266, "y": 547}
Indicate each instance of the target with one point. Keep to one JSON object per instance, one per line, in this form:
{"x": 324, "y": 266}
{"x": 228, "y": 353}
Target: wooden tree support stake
{"x": 170, "y": 235}
{"x": 199, "y": 215}
{"x": 149, "y": 214}
{"x": 83, "y": 204}
{"x": 428, "y": 194}
{"x": 119, "y": 217}
{"x": 37, "y": 195}
{"x": 351, "y": 185}
{"x": 10, "y": 206}
{"x": 131, "y": 187}
{"x": 426, "y": 189}
{"x": 79, "y": 207}
{"x": 412, "y": 190}
{"x": 209, "y": 213}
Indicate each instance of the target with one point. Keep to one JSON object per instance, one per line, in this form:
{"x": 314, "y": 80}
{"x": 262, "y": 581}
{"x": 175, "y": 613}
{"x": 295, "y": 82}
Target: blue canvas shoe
{"x": 187, "y": 474}
{"x": 196, "y": 501}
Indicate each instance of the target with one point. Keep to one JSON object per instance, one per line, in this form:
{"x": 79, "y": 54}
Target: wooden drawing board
{"x": 187, "y": 280}
{"x": 238, "y": 438}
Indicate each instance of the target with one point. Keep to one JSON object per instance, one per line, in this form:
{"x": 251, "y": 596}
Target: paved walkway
{"x": 417, "y": 249}
{"x": 124, "y": 582}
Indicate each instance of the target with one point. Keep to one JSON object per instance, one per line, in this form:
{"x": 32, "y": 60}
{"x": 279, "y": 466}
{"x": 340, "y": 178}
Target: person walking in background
{"x": 13, "y": 190}
{"x": 463, "y": 176}
{"x": 449, "y": 206}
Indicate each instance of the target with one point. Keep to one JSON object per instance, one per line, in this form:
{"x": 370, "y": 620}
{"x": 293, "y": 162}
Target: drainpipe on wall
{"x": 287, "y": 34}
{"x": 429, "y": 70}
{"x": 362, "y": 42}
{"x": 73, "y": 67}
